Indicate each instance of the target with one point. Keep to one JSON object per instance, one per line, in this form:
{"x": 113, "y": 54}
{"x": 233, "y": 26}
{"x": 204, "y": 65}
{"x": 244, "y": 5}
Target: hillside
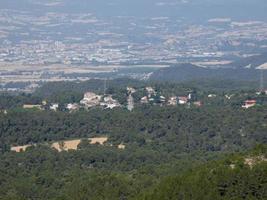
{"x": 135, "y": 150}
{"x": 189, "y": 72}
{"x": 250, "y": 62}
{"x": 232, "y": 178}
{"x": 44, "y": 174}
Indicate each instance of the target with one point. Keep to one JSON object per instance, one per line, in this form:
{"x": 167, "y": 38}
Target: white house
{"x": 54, "y": 106}
{"x": 172, "y": 101}
{"x": 183, "y": 100}
{"x": 91, "y": 99}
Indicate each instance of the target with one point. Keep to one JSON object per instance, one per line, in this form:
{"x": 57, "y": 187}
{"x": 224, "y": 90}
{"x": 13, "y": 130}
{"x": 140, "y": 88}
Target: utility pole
{"x": 261, "y": 81}
{"x": 105, "y": 86}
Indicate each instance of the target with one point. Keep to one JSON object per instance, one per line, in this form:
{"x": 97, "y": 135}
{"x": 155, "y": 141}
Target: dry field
{"x": 66, "y": 145}
{"x": 20, "y": 148}
{"x": 73, "y": 144}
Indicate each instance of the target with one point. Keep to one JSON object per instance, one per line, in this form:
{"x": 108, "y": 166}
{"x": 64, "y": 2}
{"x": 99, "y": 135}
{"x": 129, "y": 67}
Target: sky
{"x": 187, "y": 9}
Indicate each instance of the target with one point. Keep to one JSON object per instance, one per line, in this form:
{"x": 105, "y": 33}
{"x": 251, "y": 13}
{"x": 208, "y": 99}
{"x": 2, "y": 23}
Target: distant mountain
{"x": 250, "y": 62}
{"x": 188, "y": 72}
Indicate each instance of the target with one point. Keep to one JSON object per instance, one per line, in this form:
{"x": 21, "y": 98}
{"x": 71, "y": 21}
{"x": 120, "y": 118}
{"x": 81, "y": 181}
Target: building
{"x": 182, "y": 100}
{"x": 3, "y": 111}
{"x": 150, "y": 91}
{"x": 131, "y": 90}
{"x": 249, "y": 103}
{"x": 110, "y": 103}
{"x": 229, "y": 96}
{"x": 130, "y": 102}
{"x": 172, "y": 101}
{"x": 162, "y": 99}
{"x": 144, "y": 100}
{"x": 198, "y": 103}
{"x": 121, "y": 146}
{"x": 212, "y": 95}
{"x": 91, "y": 99}
{"x": 54, "y": 106}
{"x": 72, "y": 107}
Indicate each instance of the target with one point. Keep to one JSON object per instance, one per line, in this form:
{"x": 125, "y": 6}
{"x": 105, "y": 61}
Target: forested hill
{"x": 250, "y": 62}
{"x": 189, "y": 72}
{"x": 236, "y": 177}
{"x": 142, "y": 146}
{"x": 44, "y": 174}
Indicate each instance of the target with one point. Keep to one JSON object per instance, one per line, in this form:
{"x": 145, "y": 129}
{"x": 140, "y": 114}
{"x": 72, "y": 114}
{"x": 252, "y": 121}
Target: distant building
{"x": 212, "y": 95}
{"x": 151, "y": 99}
{"x": 121, "y": 146}
{"x": 198, "y": 103}
{"x": 3, "y": 111}
{"x": 72, "y": 107}
{"x": 150, "y": 91}
{"x": 144, "y": 100}
{"x": 130, "y": 102}
{"x": 90, "y": 99}
{"x": 190, "y": 96}
{"x": 54, "y": 106}
{"x": 131, "y": 90}
{"x": 182, "y": 100}
{"x": 162, "y": 99}
{"x": 249, "y": 103}
{"x": 110, "y": 103}
{"x": 172, "y": 101}
{"x": 229, "y": 96}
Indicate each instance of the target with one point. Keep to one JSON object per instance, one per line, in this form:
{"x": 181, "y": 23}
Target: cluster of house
{"x": 172, "y": 101}
{"x": 91, "y": 99}
{"x": 252, "y": 102}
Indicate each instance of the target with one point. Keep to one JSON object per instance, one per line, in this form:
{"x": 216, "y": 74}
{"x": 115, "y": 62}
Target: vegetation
{"x": 189, "y": 72}
{"x": 43, "y": 173}
{"x": 171, "y": 152}
{"x": 230, "y": 178}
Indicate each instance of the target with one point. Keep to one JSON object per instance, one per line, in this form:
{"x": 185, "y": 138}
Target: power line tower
{"x": 261, "y": 80}
{"x": 105, "y": 86}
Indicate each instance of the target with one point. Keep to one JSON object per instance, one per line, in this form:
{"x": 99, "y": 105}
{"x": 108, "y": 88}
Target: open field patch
{"x": 65, "y": 145}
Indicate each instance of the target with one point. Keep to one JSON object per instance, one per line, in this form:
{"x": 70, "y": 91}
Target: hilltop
{"x": 189, "y": 72}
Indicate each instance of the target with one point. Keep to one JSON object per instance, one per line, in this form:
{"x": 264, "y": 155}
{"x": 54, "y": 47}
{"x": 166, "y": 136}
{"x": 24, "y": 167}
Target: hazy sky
{"x": 189, "y": 9}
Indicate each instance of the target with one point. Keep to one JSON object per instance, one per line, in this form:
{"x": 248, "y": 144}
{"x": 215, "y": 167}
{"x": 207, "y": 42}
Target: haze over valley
{"x": 43, "y": 40}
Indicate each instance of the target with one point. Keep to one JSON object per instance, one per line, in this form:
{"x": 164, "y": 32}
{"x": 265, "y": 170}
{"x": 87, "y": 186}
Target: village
{"x": 152, "y": 97}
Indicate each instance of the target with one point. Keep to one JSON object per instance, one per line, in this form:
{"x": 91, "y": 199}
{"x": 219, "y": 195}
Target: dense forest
{"x": 42, "y": 173}
{"x": 217, "y": 151}
{"x": 174, "y": 129}
{"x": 189, "y": 72}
